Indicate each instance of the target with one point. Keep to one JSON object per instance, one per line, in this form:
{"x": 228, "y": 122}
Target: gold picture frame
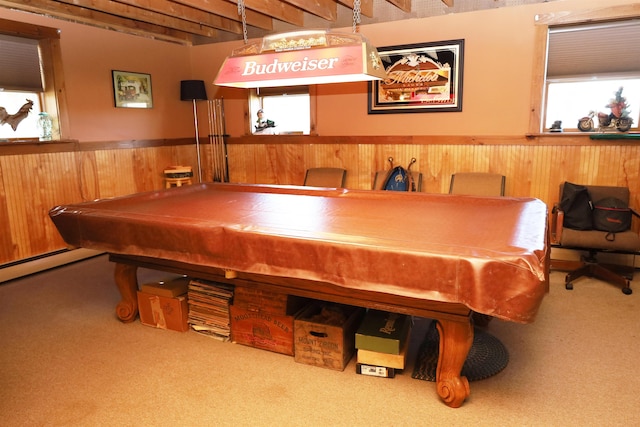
{"x": 132, "y": 90}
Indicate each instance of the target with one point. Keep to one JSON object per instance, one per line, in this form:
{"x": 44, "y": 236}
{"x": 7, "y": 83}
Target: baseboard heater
{"x": 37, "y": 264}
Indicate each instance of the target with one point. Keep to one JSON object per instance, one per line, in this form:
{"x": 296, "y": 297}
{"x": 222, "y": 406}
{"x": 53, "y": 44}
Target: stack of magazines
{"x": 209, "y": 308}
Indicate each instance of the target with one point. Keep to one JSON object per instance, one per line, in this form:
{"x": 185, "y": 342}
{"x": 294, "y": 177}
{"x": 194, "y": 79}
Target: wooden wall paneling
{"x": 631, "y": 167}
{"x": 619, "y": 170}
{"x": 436, "y": 174}
{"x": 33, "y": 183}
{"x": 503, "y": 166}
{"x": 586, "y": 170}
{"x": 289, "y": 164}
{"x": 107, "y": 166}
{"x": 19, "y": 197}
{"x": 144, "y": 169}
{"x": 8, "y": 206}
{"x": 543, "y": 178}
{"x": 608, "y": 163}
{"x": 54, "y": 181}
{"x": 540, "y": 170}
{"x": 6, "y": 244}
{"x": 266, "y": 169}
{"x": 480, "y": 156}
{"x": 349, "y": 156}
{"x": 366, "y": 169}
{"x": 87, "y": 175}
{"x": 241, "y": 168}
{"x": 522, "y": 167}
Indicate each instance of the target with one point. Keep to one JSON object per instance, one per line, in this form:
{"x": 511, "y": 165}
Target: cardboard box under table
{"x": 264, "y": 319}
{"x": 163, "y": 305}
{"x": 324, "y": 334}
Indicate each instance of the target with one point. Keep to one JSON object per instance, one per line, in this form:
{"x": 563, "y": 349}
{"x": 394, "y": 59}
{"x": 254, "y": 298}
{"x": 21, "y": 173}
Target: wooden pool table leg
{"x": 127, "y": 281}
{"x": 456, "y": 339}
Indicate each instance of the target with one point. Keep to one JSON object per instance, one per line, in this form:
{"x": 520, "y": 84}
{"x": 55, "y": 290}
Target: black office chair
{"x": 595, "y": 241}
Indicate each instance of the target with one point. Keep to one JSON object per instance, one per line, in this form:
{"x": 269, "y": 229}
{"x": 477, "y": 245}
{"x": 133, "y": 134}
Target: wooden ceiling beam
{"x": 124, "y": 10}
{"x": 229, "y": 10}
{"x": 98, "y": 19}
{"x": 325, "y": 9}
{"x": 179, "y": 12}
{"x": 277, "y": 10}
{"x": 404, "y": 5}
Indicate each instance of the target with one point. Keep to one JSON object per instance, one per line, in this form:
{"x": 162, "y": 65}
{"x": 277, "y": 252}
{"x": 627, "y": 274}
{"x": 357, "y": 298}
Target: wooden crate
{"x": 261, "y": 329}
{"x": 325, "y": 339}
{"x": 271, "y": 302}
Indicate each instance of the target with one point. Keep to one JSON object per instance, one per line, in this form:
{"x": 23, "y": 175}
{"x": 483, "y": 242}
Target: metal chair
{"x": 325, "y": 177}
{"x": 477, "y": 184}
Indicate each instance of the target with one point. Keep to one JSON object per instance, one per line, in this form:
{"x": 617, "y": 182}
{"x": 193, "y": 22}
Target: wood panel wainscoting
{"x": 534, "y": 165}
{"x": 36, "y": 177}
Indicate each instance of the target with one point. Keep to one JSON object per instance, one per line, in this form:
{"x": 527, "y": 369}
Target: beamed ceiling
{"x": 210, "y": 21}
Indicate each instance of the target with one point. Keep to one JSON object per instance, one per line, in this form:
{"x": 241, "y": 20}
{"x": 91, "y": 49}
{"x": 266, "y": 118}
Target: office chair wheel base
{"x": 568, "y": 286}
{"x": 627, "y": 290}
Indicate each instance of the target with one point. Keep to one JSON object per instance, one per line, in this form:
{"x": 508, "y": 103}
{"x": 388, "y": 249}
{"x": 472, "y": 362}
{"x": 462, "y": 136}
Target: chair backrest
{"x": 325, "y": 177}
{"x": 599, "y": 192}
{"x": 378, "y": 180}
{"x": 477, "y": 184}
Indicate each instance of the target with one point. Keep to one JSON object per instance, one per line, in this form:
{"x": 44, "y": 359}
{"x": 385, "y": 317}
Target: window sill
{"x": 629, "y": 135}
{"x": 30, "y": 146}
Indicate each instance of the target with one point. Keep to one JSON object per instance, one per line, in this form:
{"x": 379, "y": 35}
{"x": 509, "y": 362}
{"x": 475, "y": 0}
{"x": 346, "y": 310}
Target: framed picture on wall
{"x": 132, "y": 90}
{"x": 421, "y": 78}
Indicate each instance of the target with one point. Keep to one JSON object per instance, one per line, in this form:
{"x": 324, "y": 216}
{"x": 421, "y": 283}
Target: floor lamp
{"x": 194, "y": 90}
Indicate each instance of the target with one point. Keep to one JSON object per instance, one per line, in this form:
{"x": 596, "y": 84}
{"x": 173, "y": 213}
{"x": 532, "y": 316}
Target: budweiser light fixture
{"x": 302, "y": 58}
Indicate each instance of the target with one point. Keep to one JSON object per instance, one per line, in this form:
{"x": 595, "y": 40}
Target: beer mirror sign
{"x": 421, "y": 78}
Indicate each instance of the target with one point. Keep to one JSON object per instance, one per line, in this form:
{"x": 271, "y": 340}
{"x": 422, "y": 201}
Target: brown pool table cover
{"x": 490, "y": 254}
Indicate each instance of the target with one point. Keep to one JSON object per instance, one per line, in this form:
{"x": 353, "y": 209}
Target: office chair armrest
{"x": 557, "y": 219}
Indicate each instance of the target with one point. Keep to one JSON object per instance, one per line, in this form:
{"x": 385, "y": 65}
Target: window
{"x": 287, "y": 108}
{"x": 14, "y": 103}
{"x": 586, "y": 65}
{"x": 31, "y": 70}
{"x": 568, "y": 100}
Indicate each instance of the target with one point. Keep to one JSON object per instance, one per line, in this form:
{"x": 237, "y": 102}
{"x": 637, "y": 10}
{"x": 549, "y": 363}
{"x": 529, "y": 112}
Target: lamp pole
{"x": 195, "y": 120}
{"x": 194, "y": 90}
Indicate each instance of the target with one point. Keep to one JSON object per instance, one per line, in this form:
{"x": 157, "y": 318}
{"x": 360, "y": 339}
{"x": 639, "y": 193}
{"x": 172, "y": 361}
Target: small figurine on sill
{"x": 14, "y": 120}
{"x": 263, "y": 124}
{"x": 556, "y": 126}
{"x": 618, "y": 119}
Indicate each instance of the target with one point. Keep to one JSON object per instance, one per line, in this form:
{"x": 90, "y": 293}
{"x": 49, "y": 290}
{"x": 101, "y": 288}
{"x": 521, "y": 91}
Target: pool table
{"x": 430, "y": 255}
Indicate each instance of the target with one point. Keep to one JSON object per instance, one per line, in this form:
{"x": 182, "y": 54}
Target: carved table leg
{"x": 456, "y": 339}
{"x": 127, "y": 282}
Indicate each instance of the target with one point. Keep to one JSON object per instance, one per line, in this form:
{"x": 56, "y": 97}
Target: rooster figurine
{"x": 14, "y": 120}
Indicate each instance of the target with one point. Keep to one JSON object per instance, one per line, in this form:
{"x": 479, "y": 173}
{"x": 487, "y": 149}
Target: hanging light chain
{"x": 243, "y": 13}
{"x": 356, "y": 15}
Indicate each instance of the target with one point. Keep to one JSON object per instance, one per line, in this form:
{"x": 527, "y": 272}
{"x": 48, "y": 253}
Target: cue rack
{"x": 217, "y": 146}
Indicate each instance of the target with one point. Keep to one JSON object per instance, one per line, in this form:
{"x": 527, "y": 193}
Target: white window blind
{"x": 20, "y": 68}
{"x": 609, "y": 47}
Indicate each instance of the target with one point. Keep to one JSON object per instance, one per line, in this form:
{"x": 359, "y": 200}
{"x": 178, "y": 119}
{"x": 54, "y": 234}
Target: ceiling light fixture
{"x": 302, "y": 58}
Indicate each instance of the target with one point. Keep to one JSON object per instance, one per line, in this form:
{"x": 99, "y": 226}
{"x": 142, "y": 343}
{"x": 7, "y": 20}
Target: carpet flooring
{"x": 66, "y": 360}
